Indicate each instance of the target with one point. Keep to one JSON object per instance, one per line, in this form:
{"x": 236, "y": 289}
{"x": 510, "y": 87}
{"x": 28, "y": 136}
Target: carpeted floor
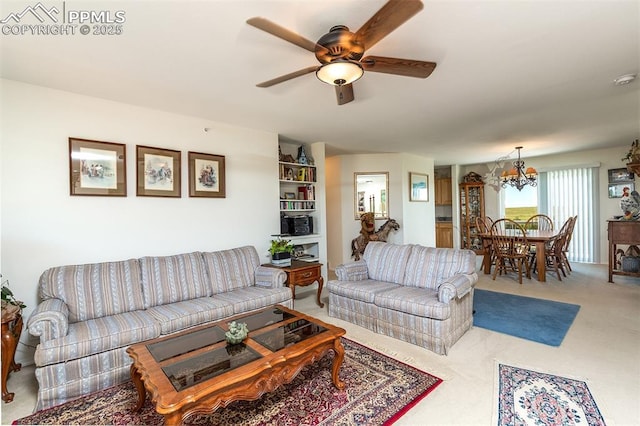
{"x": 378, "y": 390}
{"x": 527, "y": 397}
{"x": 539, "y": 320}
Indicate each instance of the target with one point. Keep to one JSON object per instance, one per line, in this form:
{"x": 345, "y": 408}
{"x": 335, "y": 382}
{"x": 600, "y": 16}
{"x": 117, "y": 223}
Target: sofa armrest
{"x": 50, "y": 320}
{"x": 270, "y": 277}
{"x": 353, "y": 271}
{"x": 456, "y": 287}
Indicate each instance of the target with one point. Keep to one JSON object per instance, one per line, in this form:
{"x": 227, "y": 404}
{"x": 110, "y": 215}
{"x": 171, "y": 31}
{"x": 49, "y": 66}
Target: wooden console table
{"x": 11, "y": 329}
{"x": 303, "y": 273}
{"x": 621, "y": 232}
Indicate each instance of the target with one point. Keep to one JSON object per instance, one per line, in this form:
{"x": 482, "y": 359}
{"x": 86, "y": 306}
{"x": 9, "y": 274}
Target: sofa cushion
{"x": 180, "y": 315}
{"x": 417, "y": 301}
{"x": 169, "y": 279}
{"x": 250, "y": 299}
{"x": 364, "y": 290}
{"x": 386, "y": 262}
{"x": 231, "y": 269}
{"x": 427, "y": 267}
{"x": 94, "y": 290}
{"x": 98, "y": 335}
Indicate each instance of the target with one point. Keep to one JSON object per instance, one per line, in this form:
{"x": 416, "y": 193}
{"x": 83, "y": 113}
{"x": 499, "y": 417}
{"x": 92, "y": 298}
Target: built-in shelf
{"x": 297, "y": 181}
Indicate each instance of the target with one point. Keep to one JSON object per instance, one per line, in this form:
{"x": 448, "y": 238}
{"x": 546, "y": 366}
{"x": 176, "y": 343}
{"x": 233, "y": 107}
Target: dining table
{"x": 535, "y": 236}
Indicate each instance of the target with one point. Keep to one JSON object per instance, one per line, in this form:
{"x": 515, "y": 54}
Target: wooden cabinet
{"x": 621, "y": 232}
{"x": 443, "y": 192}
{"x": 444, "y": 234}
{"x": 11, "y": 329}
{"x": 471, "y": 206}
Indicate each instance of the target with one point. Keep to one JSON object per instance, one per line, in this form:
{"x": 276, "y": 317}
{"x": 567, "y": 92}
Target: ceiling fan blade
{"x": 286, "y": 77}
{"x": 344, "y": 93}
{"x": 405, "y": 67}
{"x": 388, "y": 18}
{"x": 285, "y": 34}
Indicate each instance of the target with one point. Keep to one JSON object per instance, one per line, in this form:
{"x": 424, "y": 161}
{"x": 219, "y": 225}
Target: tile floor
{"x": 602, "y": 348}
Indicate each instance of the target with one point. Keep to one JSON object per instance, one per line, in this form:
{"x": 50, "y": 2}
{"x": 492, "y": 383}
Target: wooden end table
{"x": 11, "y": 329}
{"x": 303, "y": 274}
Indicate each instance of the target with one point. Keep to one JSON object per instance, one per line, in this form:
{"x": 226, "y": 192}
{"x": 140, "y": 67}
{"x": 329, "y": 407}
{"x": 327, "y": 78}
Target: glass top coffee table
{"x": 196, "y": 371}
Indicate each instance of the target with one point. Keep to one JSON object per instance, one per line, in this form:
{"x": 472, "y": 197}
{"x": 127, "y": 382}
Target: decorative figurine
{"x": 302, "y": 156}
{"x": 238, "y": 331}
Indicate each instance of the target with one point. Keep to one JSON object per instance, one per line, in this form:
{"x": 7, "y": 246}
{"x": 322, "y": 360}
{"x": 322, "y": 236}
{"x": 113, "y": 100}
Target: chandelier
{"x": 517, "y": 176}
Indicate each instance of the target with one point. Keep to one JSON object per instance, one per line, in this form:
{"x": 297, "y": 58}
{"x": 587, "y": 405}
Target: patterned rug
{"x": 526, "y": 397}
{"x": 378, "y": 391}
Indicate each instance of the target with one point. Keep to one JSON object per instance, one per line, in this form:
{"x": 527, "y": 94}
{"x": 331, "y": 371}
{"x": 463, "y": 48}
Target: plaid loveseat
{"x": 90, "y": 314}
{"x": 422, "y": 295}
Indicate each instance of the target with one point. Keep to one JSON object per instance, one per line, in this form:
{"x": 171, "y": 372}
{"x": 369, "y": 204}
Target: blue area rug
{"x": 542, "y": 321}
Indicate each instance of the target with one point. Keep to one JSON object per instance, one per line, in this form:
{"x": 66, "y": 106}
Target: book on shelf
{"x": 306, "y": 193}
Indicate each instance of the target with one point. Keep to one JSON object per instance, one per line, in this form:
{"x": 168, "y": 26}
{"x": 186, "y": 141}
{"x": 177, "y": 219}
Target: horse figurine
{"x": 386, "y": 228}
{"x": 359, "y": 243}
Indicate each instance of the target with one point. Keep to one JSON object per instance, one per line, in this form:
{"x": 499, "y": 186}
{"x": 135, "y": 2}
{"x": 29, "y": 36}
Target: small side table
{"x": 303, "y": 274}
{"x": 11, "y": 329}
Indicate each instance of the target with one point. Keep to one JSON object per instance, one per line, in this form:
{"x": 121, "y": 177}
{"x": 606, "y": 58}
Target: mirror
{"x": 371, "y": 194}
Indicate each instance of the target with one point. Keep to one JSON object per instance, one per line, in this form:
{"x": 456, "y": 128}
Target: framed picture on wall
{"x": 97, "y": 168}
{"x": 158, "y": 172}
{"x": 206, "y": 175}
{"x": 620, "y": 175}
{"x": 617, "y": 189}
{"x": 418, "y": 187}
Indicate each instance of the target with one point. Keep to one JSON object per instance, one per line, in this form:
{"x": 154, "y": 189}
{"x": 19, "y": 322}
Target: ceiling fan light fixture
{"x": 340, "y": 72}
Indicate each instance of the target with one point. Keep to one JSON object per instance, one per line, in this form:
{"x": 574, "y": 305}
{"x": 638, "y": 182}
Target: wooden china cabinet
{"x": 471, "y": 206}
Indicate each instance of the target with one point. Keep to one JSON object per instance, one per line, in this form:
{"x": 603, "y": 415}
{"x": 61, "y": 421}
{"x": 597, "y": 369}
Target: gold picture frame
{"x": 158, "y": 172}
{"x": 418, "y": 187}
{"x": 97, "y": 168}
{"x": 206, "y": 175}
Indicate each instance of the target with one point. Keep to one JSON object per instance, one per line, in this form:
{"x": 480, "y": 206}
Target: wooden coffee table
{"x": 196, "y": 371}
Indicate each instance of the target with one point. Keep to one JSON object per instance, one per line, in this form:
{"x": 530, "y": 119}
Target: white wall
{"x": 43, "y": 226}
{"x": 416, "y": 219}
{"x": 607, "y": 207}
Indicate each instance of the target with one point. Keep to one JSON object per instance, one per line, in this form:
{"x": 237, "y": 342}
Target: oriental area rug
{"x": 378, "y": 391}
{"x": 527, "y": 397}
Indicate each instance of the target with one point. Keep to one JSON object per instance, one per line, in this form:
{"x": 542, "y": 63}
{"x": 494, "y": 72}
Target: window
{"x": 574, "y": 192}
{"x": 560, "y": 194}
{"x": 519, "y": 205}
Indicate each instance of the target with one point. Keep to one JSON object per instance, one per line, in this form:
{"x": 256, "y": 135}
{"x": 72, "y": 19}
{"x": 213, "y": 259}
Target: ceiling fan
{"x": 340, "y": 51}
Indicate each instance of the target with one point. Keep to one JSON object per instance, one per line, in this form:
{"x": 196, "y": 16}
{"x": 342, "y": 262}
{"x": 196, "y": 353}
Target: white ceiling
{"x": 533, "y": 73}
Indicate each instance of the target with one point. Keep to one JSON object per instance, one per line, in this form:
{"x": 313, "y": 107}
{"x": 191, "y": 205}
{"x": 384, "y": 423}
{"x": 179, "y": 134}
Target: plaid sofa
{"x": 90, "y": 314}
{"x": 422, "y": 295}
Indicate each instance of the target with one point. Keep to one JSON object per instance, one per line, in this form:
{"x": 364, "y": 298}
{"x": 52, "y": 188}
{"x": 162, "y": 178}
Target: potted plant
{"x": 633, "y": 156}
{"x": 11, "y": 306}
{"x": 280, "y": 251}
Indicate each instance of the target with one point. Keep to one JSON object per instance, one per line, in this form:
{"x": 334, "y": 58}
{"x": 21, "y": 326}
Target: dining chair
{"x": 565, "y": 249}
{"x": 554, "y": 251}
{"x": 541, "y": 222}
{"x": 483, "y": 224}
{"x": 511, "y": 248}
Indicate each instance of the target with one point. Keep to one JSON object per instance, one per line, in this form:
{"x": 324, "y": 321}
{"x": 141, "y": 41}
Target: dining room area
{"x": 530, "y": 249}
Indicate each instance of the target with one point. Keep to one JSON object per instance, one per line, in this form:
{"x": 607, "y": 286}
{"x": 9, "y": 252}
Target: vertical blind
{"x": 574, "y": 192}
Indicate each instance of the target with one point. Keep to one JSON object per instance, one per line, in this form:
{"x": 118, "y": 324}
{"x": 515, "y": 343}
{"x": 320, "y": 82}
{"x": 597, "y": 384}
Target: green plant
{"x": 280, "y": 246}
{"x": 8, "y": 297}
{"x": 634, "y": 152}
